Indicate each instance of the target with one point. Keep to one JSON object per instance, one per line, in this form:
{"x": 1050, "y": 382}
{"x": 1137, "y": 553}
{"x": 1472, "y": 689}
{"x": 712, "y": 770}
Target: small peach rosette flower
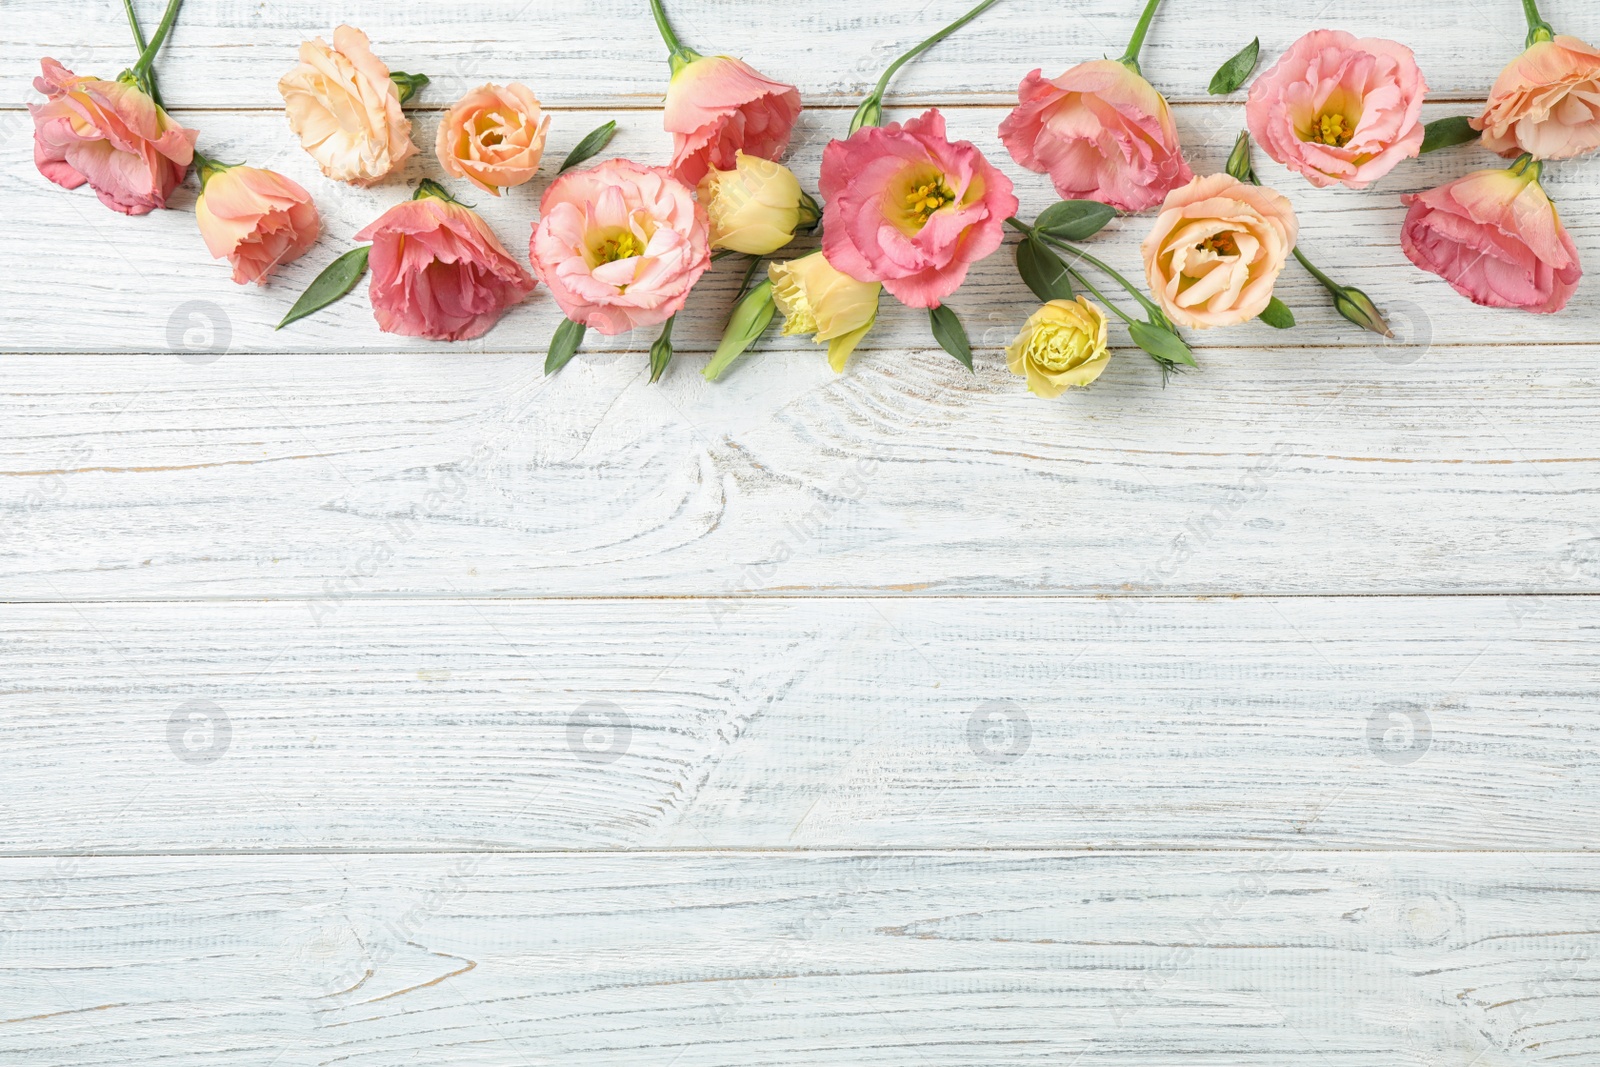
{"x": 256, "y": 219}
{"x": 1101, "y": 131}
{"x": 1062, "y": 345}
{"x": 438, "y": 271}
{"x": 493, "y": 137}
{"x": 620, "y": 245}
{"x": 1496, "y": 238}
{"x": 1339, "y": 109}
{"x": 1546, "y": 102}
{"x": 345, "y": 109}
{"x": 109, "y": 135}
{"x": 1216, "y": 250}
{"x": 911, "y": 209}
{"x": 756, "y": 207}
{"x": 830, "y": 305}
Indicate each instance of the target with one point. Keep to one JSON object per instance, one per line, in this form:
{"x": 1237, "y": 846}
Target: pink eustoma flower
{"x": 1339, "y": 109}
{"x": 910, "y": 209}
{"x": 255, "y": 218}
{"x": 1496, "y": 238}
{"x": 718, "y": 106}
{"x": 620, "y": 245}
{"x": 110, "y": 135}
{"x": 439, "y": 272}
{"x": 1546, "y": 102}
{"x": 1101, "y": 132}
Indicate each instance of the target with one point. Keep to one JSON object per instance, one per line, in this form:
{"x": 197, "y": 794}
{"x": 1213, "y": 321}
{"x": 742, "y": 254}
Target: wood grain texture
{"x": 1165, "y": 723}
{"x": 1265, "y": 959}
{"x": 79, "y": 298}
{"x": 329, "y": 476}
{"x": 230, "y": 53}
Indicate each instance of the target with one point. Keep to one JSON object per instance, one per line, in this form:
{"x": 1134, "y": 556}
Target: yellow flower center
{"x": 622, "y": 246}
{"x": 1220, "y": 243}
{"x": 926, "y": 198}
{"x": 1332, "y": 129}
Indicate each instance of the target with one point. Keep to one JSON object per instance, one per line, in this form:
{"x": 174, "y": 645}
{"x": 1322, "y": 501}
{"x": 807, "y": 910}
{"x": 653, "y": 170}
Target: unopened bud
{"x": 1358, "y": 307}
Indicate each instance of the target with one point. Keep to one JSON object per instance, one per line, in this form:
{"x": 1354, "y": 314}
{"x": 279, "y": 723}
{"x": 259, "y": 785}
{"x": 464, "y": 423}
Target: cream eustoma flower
{"x": 1063, "y": 344}
{"x": 829, "y": 304}
{"x": 756, "y": 207}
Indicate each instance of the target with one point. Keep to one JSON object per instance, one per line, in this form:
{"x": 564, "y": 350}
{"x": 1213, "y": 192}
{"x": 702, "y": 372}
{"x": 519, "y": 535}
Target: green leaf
{"x": 1165, "y": 345}
{"x": 593, "y": 141}
{"x": 564, "y": 345}
{"x": 1277, "y": 315}
{"x": 951, "y": 335}
{"x": 748, "y": 321}
{"x": 336, "y": 279}
{"x": 1445, "y": 133}
{"x": 407, "y": 85}
{"x": 661, "y": 351}
{"x": 1236, "y": 70}
{"x": 1043, "y": 271}
{"x": 1074, "y": 220}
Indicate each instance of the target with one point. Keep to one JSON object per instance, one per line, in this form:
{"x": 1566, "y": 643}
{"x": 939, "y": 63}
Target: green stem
{"x": 141, "y": 69}
{"x": 883, "y": 82}
{"x": 680, "y": 55}
{"x": 1130, "y": 58}
{"x": 1538, "y": 28}
{"x": 1132, "y": 289}
{"x": 749, "y": 272}
{"x": 1087, "y": 284}
{"x": 148, "y": 82}
{"x": 209, "y": 168}
{"x": 133, "y": 24}
{"x": 1327, "y": 282}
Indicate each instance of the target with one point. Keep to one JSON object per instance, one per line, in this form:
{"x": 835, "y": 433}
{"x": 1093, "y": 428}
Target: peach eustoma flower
{"x": 110, "y": 135}
{"x": 1062, "y": 345}
{"x": 620, "y": 245}
{"x": 1101, "y": 131}
{"x": 1216, "y": 249}
{"x": 255, "y": 218}
{"x": 718, "y": 106}
{"x": 911, "y": 209}
{"x": 345, "y": 109}
{"x": 438, "y": 271}
{"x": 1545, "y": 102}
{"x": 830, "y": 305}
{"x": 1496, "y": 238}
{"x": 1339, "y": 109}
{"x": 493, "y": 137}
{"x": 756, "y": 207}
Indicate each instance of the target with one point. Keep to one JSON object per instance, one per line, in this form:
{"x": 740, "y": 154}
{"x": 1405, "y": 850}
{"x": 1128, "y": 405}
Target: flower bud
{"x": 1063, "y": 344}
{"x": 754, "y": 208}
{"x": 827, "y": 303}
{"x": 1358, "y": 307}
{"x": 750, "y": 319}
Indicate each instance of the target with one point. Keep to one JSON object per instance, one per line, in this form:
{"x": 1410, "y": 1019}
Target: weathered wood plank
{"x": 1324, "y": 470}
{"x": 80, "y": 297}
{"x": 230, "y": 53}
{"x": 711, "y": 960}
{"x": 1428, "y": 723}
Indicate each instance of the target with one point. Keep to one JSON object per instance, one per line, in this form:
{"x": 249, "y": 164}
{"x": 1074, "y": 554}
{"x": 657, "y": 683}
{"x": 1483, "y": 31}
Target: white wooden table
{"x": 378, "y": 702}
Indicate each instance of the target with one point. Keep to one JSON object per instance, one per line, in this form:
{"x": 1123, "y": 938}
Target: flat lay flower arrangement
{"x": 901, "y": 211}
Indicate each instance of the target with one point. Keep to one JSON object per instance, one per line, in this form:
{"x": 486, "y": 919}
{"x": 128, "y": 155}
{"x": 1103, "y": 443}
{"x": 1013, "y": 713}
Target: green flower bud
{"x": 750, "y": 319}
{"x": 1358, "y": 307}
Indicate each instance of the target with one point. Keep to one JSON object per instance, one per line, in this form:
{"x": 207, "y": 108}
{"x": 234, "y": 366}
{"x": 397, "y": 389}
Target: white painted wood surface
{"x": 369, "y": 701}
